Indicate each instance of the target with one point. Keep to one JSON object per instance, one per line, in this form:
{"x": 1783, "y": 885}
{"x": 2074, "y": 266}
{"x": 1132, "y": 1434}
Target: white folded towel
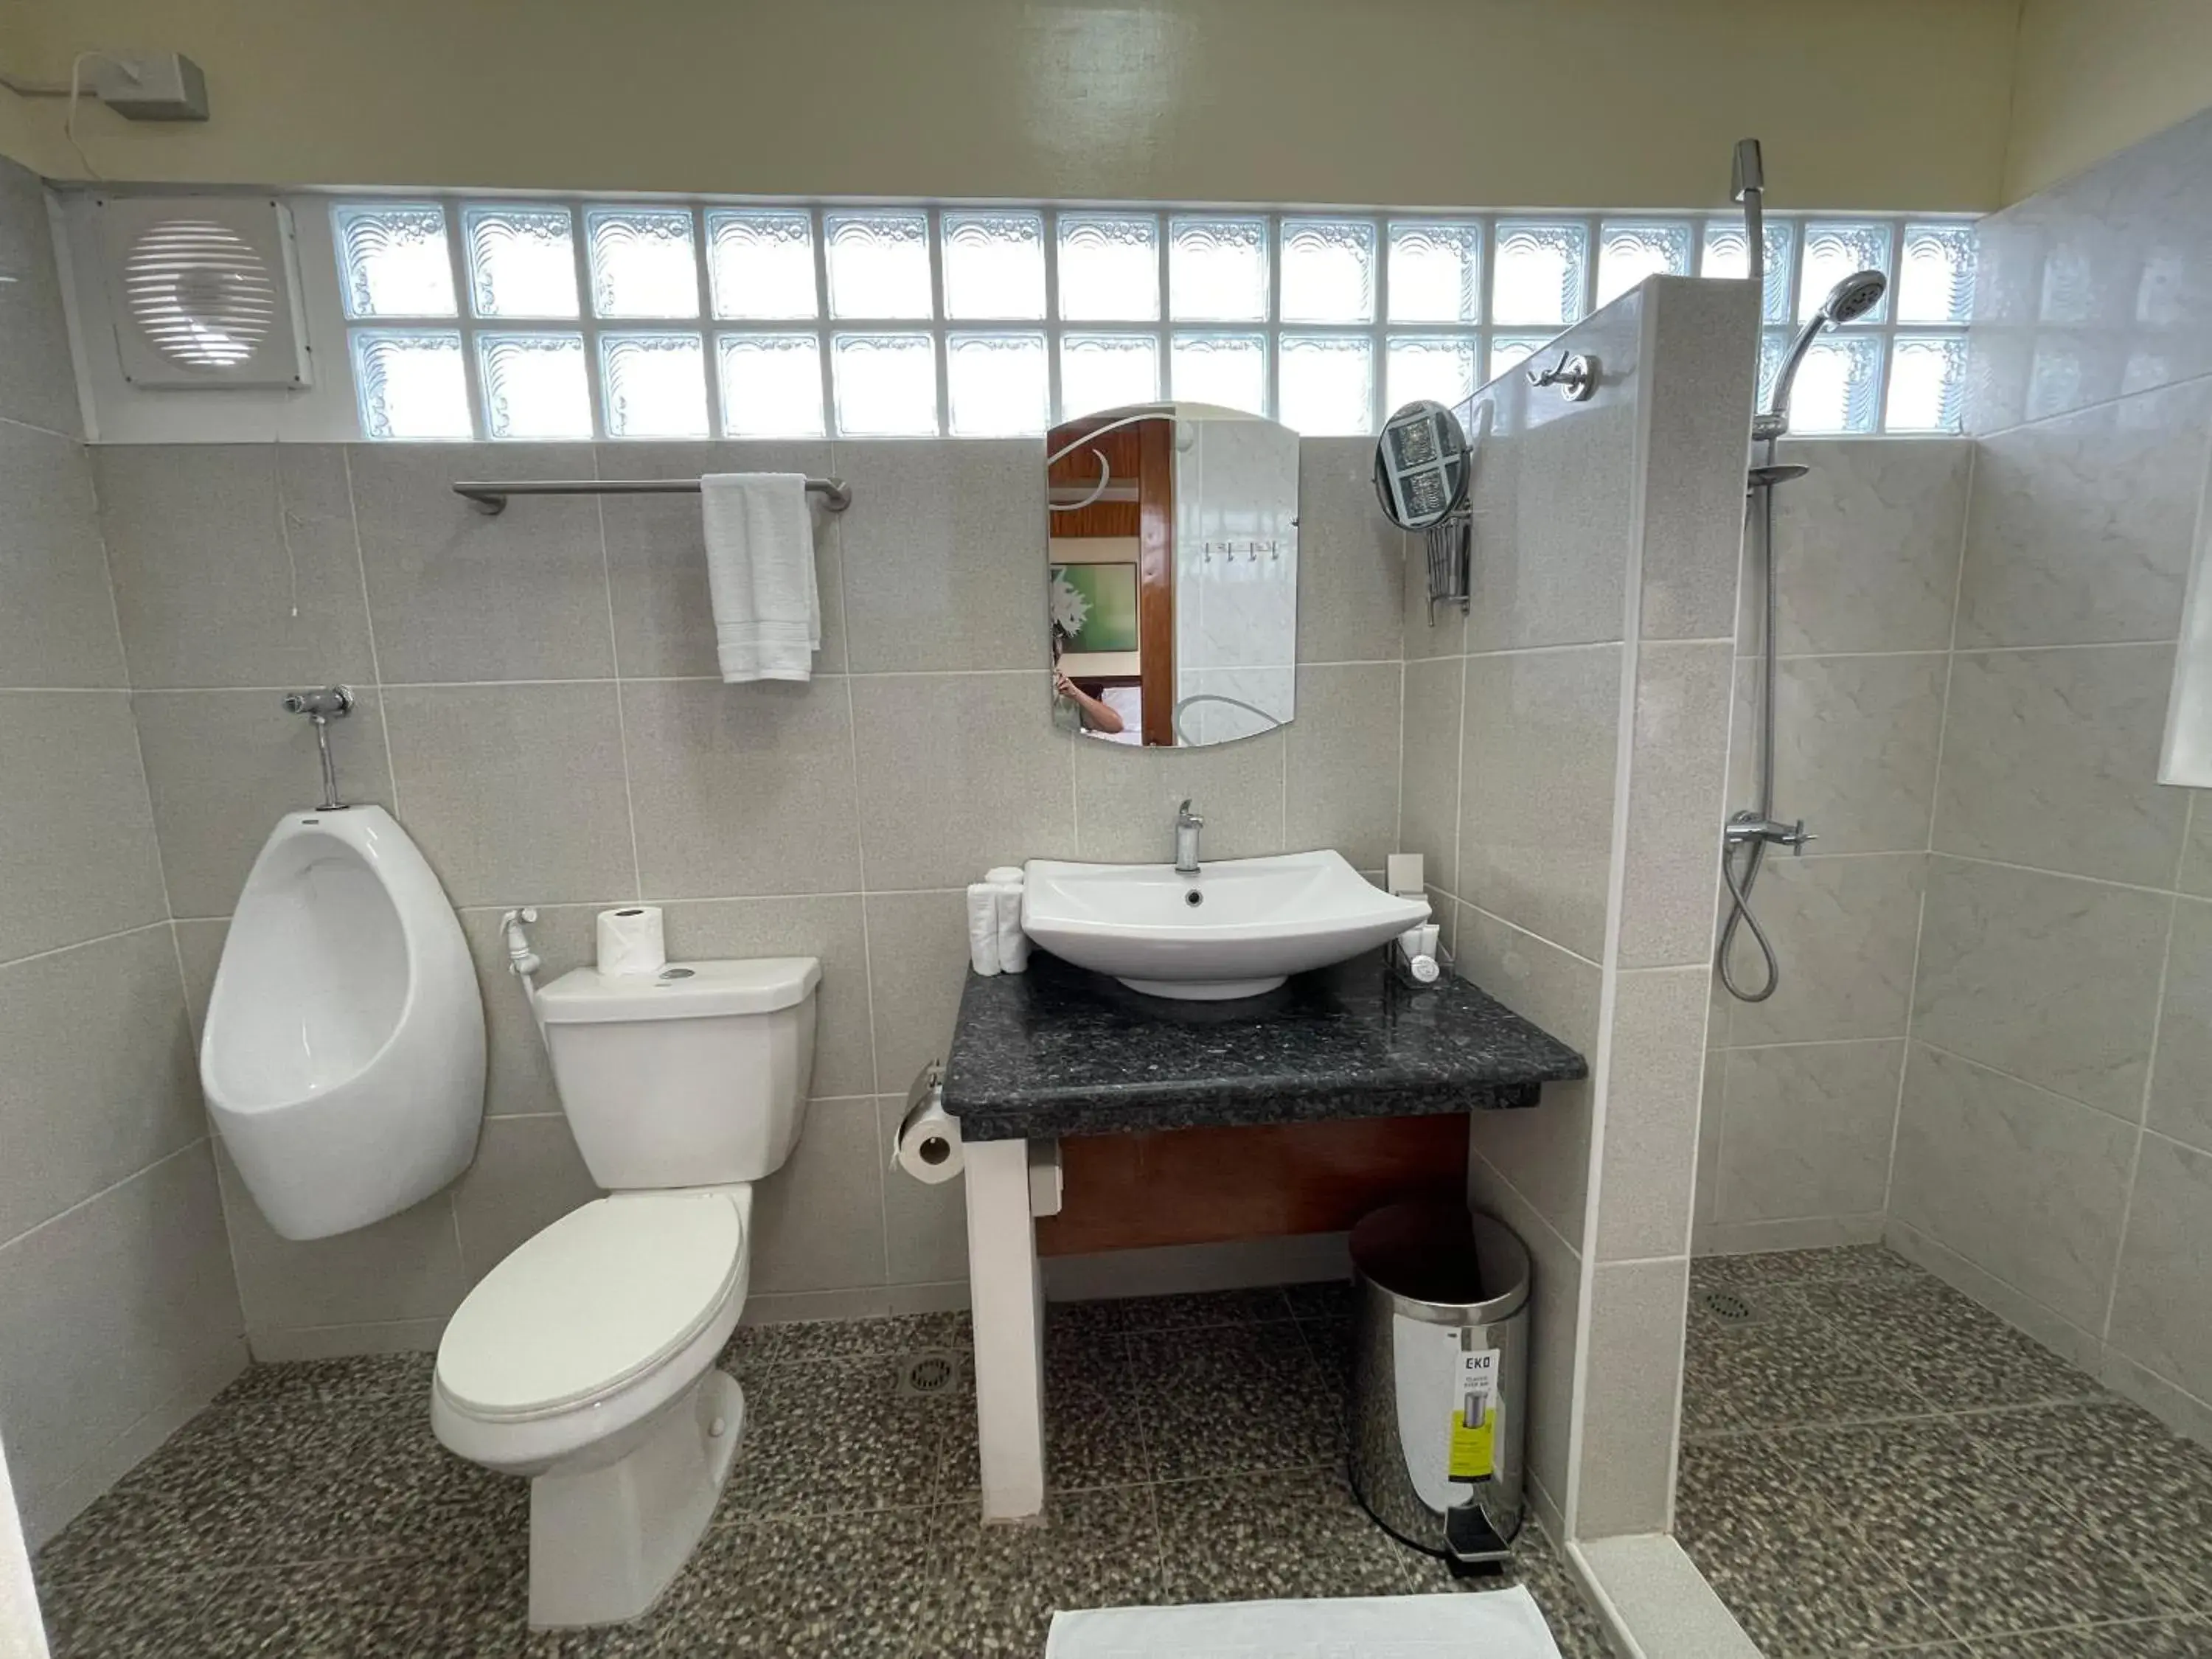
{"x": 983, "y": 927}
{"x": 1013, "y": 943}
{"x": 760, "y": 571}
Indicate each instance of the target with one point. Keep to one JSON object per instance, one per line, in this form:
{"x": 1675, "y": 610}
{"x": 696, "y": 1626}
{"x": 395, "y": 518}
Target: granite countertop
{"x": 1062, "y": 1051}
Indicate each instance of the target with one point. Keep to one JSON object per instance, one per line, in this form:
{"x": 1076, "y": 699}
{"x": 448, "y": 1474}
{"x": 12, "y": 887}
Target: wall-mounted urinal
{"x": 343, "y": 1057}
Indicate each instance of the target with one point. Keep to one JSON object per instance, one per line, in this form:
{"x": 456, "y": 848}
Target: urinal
{"x": 343, "y": 1057}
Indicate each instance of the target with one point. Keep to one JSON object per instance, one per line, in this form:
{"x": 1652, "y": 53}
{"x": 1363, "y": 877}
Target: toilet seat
{"x": 601, "y": 1297}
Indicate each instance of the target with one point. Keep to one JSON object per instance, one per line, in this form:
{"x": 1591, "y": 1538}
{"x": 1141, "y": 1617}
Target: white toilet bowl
{"x": 585, "y": 1361}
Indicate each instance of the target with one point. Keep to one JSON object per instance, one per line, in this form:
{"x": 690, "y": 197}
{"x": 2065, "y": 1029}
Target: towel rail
{"x": 491, "y": 497}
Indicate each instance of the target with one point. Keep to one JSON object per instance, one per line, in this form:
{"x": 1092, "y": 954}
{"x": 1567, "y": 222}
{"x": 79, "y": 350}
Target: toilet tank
{"x": 696, "y": 1076}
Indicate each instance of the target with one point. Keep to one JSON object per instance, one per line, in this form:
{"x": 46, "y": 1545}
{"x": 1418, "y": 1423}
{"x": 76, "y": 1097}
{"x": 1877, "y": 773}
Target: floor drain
{"x": 1726, "y": 1306}
{"x": 928, "y": 1372}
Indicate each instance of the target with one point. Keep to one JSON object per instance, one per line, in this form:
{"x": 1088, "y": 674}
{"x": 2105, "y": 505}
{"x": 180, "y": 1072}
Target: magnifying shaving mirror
{"x": 1421, "y": 466}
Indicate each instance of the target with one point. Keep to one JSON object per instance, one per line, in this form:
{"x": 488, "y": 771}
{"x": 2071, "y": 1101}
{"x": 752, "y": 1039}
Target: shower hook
{"x": 1575, "y": 375}
{"x": 321, "y": 706}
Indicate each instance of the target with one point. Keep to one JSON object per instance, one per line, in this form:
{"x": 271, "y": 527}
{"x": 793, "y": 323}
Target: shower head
{"x": 1849, "y": 301}
{"x": 1852, "y": 298}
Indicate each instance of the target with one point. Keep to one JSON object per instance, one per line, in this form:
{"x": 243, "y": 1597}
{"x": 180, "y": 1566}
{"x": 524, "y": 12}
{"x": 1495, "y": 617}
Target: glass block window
{"x": 996, "y": 385}
{"x": 393, "y": 260}
{"x": 522, "y": 262}
{"x": 1104, "y": 371}
{"x": 1217, "y": 271}
{"x": 994, "y": 265}
{"x": 1109, "y": 267}
{"x": 1328, "y": 271}
{"x": 642, "y": 265}
{"x": 878, "y": 265}
{"x": 760, "y": 264}
{"x": 542, "y": 320}
{"x": 1628, "y": 251}
{"x": 771, "y": 385}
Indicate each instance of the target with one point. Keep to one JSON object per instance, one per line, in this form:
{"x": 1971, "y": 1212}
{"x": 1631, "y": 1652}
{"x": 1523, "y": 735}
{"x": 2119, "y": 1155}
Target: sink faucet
{"x": 1188, "y": 824}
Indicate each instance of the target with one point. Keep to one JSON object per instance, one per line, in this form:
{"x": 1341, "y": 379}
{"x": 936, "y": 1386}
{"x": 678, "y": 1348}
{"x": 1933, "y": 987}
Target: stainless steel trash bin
{"x": 1440, "y": 1378}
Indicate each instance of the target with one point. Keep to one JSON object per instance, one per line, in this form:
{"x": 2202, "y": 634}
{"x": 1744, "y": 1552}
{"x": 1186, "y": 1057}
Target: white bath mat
{"x": 1502, "y": 1624}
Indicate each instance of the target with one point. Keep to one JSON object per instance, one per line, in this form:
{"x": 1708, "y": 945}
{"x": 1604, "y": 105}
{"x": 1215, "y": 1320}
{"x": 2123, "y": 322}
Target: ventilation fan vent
{"x": 200, "y": 293}
{"x": 203, "y": 291}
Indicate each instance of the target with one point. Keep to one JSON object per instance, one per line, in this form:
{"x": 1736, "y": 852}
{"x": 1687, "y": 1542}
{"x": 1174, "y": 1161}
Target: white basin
{"x": 1238, "y": 928}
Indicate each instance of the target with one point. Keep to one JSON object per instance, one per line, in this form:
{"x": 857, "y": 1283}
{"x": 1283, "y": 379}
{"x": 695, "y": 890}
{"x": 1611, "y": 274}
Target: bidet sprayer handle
{"x": 522, "y": 959}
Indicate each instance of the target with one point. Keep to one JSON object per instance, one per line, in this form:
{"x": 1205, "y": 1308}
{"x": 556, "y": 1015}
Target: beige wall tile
{"x": 78, "y": 847}
{"x": 1428, "y": 821}
{"x": 1847, "y": 930}
{"x": 829, "y": 928}
{"x": 1677, "y": 777}
{"x": 1340, "y": 761}
{"x": 1554, "y": 1303}
{"x": 2026, "y": 1185}
{"x": 1630, "y": 1405}
{"x": 2081, "y": 526}
{"x": 1352, "y": 565}
{"x": 1855, "y": 747}
{"x": 224, "y": 766}
{"x": 2162, "y": 1306}
{"x": 527, "y": 1175}
{"x": 657, "y": 554}
{"x": 1656, "y": 1071}
{"x": 1867, "y": 545}
{"x": 405, "y": 1266}
{"x": 41, "y": 383}
{"x": 818, "y": 1221}
{"x": 2181, "y": 1073}
{"x": 742, "y": 788}
{"x": 925, "y": 1227}
{"x": 235, "y": 564}
{"x": 199, "y": 952}
{"x": 1544, "y": 1151}
{"x": 944, "y": 554}
{"x": 515, "y": 794}
{"x": 2050, "y": 758}
{"x": 958, "y": 773}
{"x": 57, "y": 617}
{"x": 2196, "y": 856}
{"x": 1536, "y": 790}
{"x": 2053, "y": 979}
{"x": 111, "y": 1310}
{"x": 456, "y": 595}
{"x": 1699, "y": 382}
{"x": 1805, "y": 1130}
{"x": 918, "y": 964}
{"x": 97, "y": 1079}
{"x": 1125, "y": 800}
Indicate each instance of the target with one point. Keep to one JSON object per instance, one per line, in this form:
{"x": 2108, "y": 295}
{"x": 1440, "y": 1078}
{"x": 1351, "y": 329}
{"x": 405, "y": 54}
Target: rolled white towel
{"x": 1013, "y": 943}
{"x": 983, "y": 927}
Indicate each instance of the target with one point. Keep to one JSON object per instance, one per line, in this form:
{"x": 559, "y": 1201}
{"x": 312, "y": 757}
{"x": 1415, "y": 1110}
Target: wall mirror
{"x": 1172, "y": 574}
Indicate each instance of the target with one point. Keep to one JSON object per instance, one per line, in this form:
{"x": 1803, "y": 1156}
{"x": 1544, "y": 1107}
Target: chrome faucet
{"x": 1188, "y": 824}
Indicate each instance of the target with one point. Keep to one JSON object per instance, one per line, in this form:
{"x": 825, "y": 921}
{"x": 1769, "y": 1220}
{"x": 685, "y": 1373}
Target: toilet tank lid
{"x": 681, "y": 990}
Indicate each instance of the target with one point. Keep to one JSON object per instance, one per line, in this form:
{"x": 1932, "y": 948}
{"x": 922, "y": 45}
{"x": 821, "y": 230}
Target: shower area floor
{"x": 1874, "y": 1464}
{"x": 1196, "y": 1456}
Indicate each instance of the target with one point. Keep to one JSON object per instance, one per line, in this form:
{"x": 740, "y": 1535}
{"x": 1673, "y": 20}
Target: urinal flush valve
{"x": 321, "y": 706}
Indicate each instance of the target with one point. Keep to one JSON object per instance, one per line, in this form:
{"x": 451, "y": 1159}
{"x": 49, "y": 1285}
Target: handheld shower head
{"x": 1849, "y": 301}
{"x": 1852, "y": 298}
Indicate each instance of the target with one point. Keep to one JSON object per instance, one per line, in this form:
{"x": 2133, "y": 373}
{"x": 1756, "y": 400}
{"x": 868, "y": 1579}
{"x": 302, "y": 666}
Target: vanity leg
{"x": 1008, "y": 1294}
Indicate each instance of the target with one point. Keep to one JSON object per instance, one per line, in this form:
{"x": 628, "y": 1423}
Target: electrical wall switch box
{"x": 1404, "y": 875}
{"x": 150, "y": 86}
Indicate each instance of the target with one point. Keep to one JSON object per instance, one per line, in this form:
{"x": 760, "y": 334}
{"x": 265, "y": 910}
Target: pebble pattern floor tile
{"x": 1195, "y": 1456}
{"x": 1873, "y": 1464}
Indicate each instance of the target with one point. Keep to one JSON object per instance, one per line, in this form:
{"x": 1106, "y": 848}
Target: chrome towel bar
{"x": 488, "y": 497}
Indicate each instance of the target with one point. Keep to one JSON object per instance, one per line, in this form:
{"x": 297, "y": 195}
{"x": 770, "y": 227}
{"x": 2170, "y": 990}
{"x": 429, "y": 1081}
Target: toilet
{"x": 584, "y": 1361}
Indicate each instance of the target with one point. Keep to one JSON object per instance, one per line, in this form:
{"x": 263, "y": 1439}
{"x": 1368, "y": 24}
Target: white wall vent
{"x": 203, "y": 291}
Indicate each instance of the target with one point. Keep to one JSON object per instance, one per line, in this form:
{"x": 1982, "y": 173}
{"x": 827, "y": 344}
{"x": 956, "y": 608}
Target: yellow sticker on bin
{"x": 1474, "y": 1455}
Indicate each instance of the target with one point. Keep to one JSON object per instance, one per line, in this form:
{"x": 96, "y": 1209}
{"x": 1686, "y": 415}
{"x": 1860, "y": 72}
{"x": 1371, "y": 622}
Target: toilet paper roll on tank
{"x": 631, "y": 941}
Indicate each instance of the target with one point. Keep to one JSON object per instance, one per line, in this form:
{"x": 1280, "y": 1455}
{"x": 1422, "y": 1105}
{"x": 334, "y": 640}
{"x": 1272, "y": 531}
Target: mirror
{"x": 1171, "y": 570}
{"x": 1421, "y": 466}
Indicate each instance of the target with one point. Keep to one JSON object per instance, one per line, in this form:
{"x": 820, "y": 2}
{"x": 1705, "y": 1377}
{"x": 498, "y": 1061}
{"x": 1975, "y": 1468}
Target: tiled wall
{"x": 118, "y": 1314}
{"x": 1802, "y": 1088}
{"x": 1566, "y": 751}
{"x": 2055, "y": 1150}
{"x": 540, "y": 711}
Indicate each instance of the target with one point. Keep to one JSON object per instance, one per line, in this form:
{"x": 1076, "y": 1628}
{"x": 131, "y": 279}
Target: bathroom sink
{"x": 1238, "y": 928}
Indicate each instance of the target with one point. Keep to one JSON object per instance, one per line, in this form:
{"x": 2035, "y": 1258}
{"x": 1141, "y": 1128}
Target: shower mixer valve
{"x": 1748, "y": 826}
